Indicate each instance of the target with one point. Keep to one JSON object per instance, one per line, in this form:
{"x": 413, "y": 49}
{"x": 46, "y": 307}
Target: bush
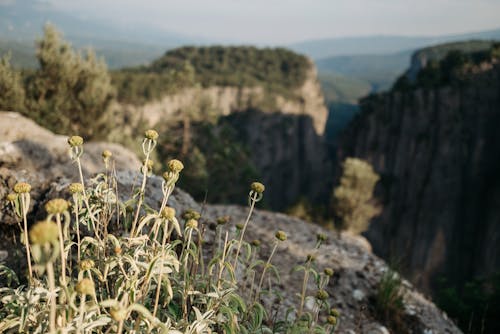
{"x": 11, "y": 90}
{"x": 353, "y": 198}
{"x": 153, "y": 273}
{"x": 69, "y": 92}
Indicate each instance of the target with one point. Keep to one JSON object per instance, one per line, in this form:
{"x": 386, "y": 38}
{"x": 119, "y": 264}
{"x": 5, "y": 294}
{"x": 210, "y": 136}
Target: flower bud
{"x": 328, "y": 272}
{"x": 168, "y": 213}
{"x": 57, "y": 205}
{"x": 76, "y": 188}
{"x": 175, "y": 166}
{"x": 192, "y": 223}
{"x": 223, "y": 220}
{"x": 44, "y": 232}
{"x": 118, "y": 314}
{"x": 87, "y": 264}
{"x": 321, "y": 295}
{"x": 257, "y": 187}
{"x": 106, "y": 154}
{"x": 334, "y": 312}
{"x": 75, "y": 141}
{"x": 331, "y": 320}
{"x": 239, "y": 226}
{"x": 256, "y": 243}
{"x": 280, "y": 235}
{"x": 191, "y": 214}
{"x": 11, "y": 197}
{"x": 22, "y": 188}
{"x": 320, "y": 237}
{"x": 151, "y": 135}
{"x": 310, "y": 258}
{"x": 85, "y": 286}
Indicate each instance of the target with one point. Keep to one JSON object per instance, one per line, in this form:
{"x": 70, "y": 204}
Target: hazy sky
{"x": 285, "y": 21}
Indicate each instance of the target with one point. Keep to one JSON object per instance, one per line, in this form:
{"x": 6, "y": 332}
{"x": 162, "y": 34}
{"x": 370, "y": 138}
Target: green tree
{"x": 11, "y": 90}
{"x": 353, "y": 202}
{"x": 70, "y": 92}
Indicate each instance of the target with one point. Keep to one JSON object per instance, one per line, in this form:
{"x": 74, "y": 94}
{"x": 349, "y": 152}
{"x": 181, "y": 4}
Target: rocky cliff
{"x": 358, "y": 272}
{"x": 438, "y": 152}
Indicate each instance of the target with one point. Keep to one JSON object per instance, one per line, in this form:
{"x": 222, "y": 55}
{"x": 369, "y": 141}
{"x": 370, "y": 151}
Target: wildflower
{"x": 76, "y": 188}
{"x": 257, "y": 187}
{"x": 175, "y": 165}
{"x": 118, "y": 314}
{"x": 57, "y": 205}
{"x": 192, "y": 223}
{"x": 280, "y": 235}
{"x": 223, "y": 220}
{"x": 85, "y": 286}
{"x": 328, "y": 272}
{"x": 320, "y": 237}
{"x": 44, "y": 232}
{"x": 151, "y": 135}
{"x": 310, "y": 258}
{"x": 11, "y": 197}
{"x": 331, "y": 320}
{"x": 191, "y": 214}
{"x": 75, "y": 141}
{"x": 334, "y": 312}
{"x": 22, "y": 188}
{"x": 256, "y": 243}
{"x": 87, "y": 264}
{"x": 168, "y": 213}
{"x": 321, "y": 295}
{"x": 106, "y": 154}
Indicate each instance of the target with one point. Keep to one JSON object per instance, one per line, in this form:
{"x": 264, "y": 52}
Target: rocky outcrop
{"x": 438, "y": 152}
{"x": 306, "y": 100}
{"x": 357, "y": 270}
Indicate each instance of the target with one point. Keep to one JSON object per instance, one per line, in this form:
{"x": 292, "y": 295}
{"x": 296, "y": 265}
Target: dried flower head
{"x": 191, "y": 214}
{"x": 223, "y": 220}
{"x": 192, "y": 223}
{"x": 11, "y": 197}
{"x": 280, "y": 235}
{"x": 151, "y": 134}
{"x": 44, "y": 232}
{"x": 118, "y": 314}
{"x": 331, "y": 320}
{"x": 310, "y": 258}
{"x": 85, "y": 286}
{"x": 56, "y": 205}
{"x": 175, "y": 166}
{"x": 76, "y": 188}
{"x": 256, "y": 243}
{"x": 328, "y": 272}
{"x": 106, "y": 154}
{"x": 22, "y": 188}
{"x": 321, "y": 295}
{"x": 75, "y": 141}
{"x": 168, "y": 213}
{"x": 239, "y": 226}
{"x": 257, "y": 187}
{"x": 87, "y": 264}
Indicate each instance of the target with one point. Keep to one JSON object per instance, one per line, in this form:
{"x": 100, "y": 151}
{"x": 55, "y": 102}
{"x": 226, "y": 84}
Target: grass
{"x": 101, "y": 265}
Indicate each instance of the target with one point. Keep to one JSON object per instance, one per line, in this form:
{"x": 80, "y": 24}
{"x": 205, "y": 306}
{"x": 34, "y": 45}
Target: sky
{"x": 289, "y": 21}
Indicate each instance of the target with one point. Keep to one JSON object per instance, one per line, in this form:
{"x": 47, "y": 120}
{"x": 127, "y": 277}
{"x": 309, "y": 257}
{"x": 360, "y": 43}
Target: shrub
{"x": 11, "y": 90}
{"x": 154, "y": 274}
{"x": 389, "y": 301}
{"x": 353, "y": 198}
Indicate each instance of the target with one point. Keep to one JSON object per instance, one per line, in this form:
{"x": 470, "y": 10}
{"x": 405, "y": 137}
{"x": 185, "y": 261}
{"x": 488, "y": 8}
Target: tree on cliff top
{"x": 70, "y": 92}
{"x": 353, "y": 199}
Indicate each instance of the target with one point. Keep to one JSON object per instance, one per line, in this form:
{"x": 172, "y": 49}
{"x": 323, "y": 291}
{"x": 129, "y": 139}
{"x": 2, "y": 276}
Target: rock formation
{"x": 357, "y": 270}
{"x": 438, "y": 151}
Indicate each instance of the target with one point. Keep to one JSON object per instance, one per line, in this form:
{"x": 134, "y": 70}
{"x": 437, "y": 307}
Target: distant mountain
{"x": 21, "y": 23}
{"x": 380, "y": 44}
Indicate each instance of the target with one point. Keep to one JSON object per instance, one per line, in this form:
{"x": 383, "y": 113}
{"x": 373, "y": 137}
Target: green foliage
{"x": 389, "y": 301}
{"x": 137, "y": 269}
{"x": 353, "y": 198}
{"x": 69, "y": 92}
{"x": 11, "y": 90}
{"x": 474, "y": 307}
{"x": 277, "y": 70}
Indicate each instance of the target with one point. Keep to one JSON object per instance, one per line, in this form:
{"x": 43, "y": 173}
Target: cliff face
{"x": 284, "y": 134}
{"x": 307, "y": 100}
{"x": 438, "y": 152}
